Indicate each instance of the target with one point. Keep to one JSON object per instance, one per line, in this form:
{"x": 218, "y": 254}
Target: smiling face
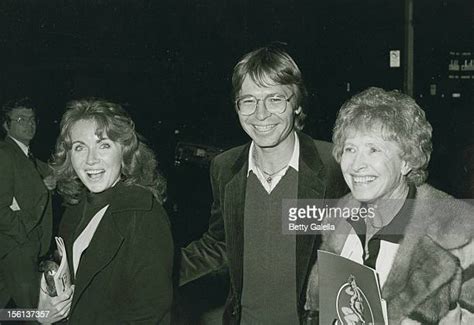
{"x": 372, "y": 167}
{"x": 22, "y": 125}
{"x": 96, "y": 160}
{"x": 268, "y": 130}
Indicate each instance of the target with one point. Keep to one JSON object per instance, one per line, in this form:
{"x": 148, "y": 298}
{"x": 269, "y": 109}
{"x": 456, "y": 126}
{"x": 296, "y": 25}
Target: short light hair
{"x": 139, "y": 166}
{"x": 398, "y": 117}
{"x": 268, "y": 66}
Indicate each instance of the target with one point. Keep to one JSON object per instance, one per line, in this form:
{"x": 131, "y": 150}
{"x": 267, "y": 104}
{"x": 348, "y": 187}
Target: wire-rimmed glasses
{"x": 274, "y": 103}
{"x": 25, "y": 120}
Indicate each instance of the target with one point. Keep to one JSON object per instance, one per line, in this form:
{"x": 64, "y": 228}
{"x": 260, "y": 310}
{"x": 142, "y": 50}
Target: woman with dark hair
{"x": 117, "y": 235}
{"x": 418, "y": 239}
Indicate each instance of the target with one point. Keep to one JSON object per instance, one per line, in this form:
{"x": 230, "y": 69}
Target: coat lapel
{"x": 311, "y": 185}
{"x": 418, "y": 284}
{"x": 98, "y": 255}
{"x": 425, "y": 277}
{"x": 311, "y": 175}
{"x": 33, "y": 194}
{"x": 234, "y": 206}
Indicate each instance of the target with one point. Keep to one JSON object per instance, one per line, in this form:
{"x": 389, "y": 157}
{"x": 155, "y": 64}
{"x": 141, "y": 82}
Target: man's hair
{"x": 9, "y": 106}
{"x": 268, "y": 66}
{"x": 139, "y": 166}
{"x": 397, "y": 117}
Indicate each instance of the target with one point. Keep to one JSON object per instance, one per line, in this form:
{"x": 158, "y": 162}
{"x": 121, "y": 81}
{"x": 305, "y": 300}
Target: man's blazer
{"x": 319, "y": 177}
{"x": 22, "y": 181}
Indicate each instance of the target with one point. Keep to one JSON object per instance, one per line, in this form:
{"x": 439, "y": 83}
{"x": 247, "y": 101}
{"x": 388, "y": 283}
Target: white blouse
{"x": 354, "y": 251}
{"x": 83, "y": 240}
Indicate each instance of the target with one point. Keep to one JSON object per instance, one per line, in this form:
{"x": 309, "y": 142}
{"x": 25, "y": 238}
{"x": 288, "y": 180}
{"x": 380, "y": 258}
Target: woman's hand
{"x": 58, "y": 307}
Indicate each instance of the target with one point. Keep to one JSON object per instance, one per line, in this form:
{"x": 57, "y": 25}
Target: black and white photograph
{"x": 237, "y": 162}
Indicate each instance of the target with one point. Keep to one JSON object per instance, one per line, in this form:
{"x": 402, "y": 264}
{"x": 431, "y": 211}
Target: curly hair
{"x": 271, "y": 65}
{"x": 398, "y": 117}
{"x": 139, "y": 166}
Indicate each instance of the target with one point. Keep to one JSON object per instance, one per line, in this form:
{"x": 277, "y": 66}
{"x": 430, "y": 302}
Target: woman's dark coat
{"x": 125, "y": 275}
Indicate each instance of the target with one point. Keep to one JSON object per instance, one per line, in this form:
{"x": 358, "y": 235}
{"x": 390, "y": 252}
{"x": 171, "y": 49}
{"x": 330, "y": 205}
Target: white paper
{"x": 62, "y": 278}
{"x": 14, "y": 206}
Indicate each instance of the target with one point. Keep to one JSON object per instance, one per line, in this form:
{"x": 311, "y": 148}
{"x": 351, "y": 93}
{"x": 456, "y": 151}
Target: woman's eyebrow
{"x": 102, "y": 139}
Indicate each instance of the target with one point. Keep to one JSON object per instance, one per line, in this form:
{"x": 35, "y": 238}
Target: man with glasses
{"x": 25, "y": 207}
{"x": 268, "y": 270}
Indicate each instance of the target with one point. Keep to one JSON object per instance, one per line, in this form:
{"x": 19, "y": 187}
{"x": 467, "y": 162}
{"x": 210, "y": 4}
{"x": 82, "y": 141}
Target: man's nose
{"x": 261, "y": 111}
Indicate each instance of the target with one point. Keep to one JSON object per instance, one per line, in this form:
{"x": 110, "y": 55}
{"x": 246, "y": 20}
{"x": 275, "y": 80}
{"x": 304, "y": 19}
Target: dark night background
{"x": 169, "y": 63}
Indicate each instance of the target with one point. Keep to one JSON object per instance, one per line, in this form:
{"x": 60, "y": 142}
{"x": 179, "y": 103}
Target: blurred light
{"x": 456, "y": 95}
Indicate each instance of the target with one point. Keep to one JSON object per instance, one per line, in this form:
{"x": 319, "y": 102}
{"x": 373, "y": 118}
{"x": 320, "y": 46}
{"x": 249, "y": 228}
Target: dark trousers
{"x": 19, "y": 276}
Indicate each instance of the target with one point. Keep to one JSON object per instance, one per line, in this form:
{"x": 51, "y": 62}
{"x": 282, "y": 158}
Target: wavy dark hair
{"x": 271, "y": 65}
{"x": 139, "y": 166}
{"x": 9, "y": 106}
{"x": 398, "y": 117}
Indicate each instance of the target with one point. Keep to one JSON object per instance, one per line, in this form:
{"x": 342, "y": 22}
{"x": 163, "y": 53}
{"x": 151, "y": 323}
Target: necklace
{"x": 269, "y": 176}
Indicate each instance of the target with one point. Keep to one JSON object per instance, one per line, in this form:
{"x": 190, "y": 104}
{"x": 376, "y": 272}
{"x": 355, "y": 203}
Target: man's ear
{"x": 406, "y": 168}
{"x": 5, "y": 126}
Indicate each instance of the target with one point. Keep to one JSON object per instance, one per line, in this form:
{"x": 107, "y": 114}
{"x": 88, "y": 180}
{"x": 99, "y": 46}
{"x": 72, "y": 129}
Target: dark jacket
{"x": 318, "y": 177}
{"x": 20, "y": 179}
{"x": 125, "y": 275}
{"x": 431, "y": 280}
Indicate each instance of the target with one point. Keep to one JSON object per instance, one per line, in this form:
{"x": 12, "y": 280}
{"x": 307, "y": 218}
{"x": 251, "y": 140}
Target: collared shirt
{"x": 383, "y": 246}
{"x": 22, "y": 146}
{"x": 275, "y": 179}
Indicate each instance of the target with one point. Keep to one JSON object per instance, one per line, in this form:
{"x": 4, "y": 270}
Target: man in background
{"x": 25, "y": 207}
{"x": 268, "y": 270}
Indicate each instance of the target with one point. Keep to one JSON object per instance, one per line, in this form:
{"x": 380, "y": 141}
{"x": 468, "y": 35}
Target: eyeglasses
{"x": 24, "y": 120}
{"x": 274, "y": 103}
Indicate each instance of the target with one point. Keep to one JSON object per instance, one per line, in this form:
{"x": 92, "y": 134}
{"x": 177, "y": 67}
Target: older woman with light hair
{"x": 419, "y": 239}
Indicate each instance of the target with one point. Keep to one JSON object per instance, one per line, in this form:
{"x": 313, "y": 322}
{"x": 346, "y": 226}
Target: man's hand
{"x": 50, "y": 182}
